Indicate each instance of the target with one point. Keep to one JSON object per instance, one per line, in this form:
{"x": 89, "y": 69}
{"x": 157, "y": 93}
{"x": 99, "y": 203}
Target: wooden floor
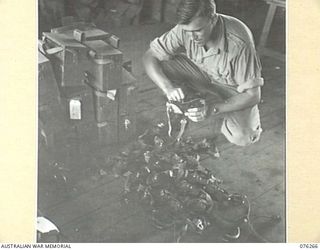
{"x": 82, "y": 197}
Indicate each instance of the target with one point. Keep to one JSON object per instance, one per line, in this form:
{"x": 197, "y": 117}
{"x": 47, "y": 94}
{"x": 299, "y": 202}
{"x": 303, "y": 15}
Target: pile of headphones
{"x": 166, "y": 178}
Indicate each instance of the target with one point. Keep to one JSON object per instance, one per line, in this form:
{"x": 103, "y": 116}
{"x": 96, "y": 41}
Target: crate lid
{"x": 63, "y": 40}
{"x": 102, "y": 48}
{"x": 42, "y": 58}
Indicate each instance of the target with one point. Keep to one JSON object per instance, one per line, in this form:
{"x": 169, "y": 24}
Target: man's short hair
{"x": 188, "y": 9}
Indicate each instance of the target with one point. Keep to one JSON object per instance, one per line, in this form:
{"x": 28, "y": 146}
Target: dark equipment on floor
{"x": 165, "y": 177}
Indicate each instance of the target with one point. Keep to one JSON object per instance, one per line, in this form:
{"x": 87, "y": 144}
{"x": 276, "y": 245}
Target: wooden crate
{"x": 107, "y": 133}
{"x": 105, "y": 108}
{"x": 106, "y": 66}
{"x": 95, "y": 60}
{"x": 48, "y": 91}
{"x": 128, "y": 101}
{"x": 69, "y": 59}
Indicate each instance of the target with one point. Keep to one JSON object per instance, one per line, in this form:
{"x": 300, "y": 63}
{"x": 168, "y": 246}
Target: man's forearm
{"x": 154, "y": 71}
{"x": 240, "y": 101}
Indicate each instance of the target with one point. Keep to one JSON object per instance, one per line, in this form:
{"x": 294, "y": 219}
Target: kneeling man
{"x": 213, "y": 55}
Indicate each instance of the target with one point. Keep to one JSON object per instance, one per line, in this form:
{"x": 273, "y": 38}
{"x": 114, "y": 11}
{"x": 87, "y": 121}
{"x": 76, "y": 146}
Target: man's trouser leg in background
{"x": 241, "y": 127}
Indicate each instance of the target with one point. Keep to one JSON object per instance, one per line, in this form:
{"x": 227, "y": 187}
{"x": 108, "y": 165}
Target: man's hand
{"x": 197, "y": 114}
{"x": 174, "y": 94}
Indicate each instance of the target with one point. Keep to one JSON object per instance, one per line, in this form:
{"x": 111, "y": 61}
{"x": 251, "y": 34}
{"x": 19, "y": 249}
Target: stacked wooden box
{"x": 98, "y": 95}
{"x": 51, "y": 119}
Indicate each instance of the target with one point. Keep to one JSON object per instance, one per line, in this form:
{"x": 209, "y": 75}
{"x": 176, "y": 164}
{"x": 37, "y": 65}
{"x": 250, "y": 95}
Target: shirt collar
{"x": 220, "y": 44}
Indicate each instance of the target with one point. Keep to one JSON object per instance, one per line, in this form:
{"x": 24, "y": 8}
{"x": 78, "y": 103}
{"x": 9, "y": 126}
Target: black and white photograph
{"x": 161, "y": 121}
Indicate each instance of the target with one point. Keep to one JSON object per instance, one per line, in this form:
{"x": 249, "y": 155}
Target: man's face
{"x": 200, "y": 29}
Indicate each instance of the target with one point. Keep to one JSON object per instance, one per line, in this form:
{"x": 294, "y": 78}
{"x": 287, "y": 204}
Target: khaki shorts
{"x": 242, "y": 127}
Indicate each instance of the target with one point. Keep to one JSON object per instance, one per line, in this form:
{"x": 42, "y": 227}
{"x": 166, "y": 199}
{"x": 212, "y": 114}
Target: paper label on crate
{"x": 111, "y": 94}
{"x": 127, "y": 123}
{"x": 75, "y": 109}
{"x": 102, "y": 124}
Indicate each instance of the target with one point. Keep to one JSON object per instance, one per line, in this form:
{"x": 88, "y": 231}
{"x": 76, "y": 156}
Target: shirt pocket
{"x": 223, "y": 71}
{"x": 223, "y": 75}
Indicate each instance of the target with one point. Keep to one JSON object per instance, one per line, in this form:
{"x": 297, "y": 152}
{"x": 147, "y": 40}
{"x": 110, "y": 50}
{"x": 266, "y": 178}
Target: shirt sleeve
{"x": 247, "y": 69}
{"x": 168, "y": 44}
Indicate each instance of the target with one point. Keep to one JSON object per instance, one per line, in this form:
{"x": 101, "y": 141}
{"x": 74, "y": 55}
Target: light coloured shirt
{"x": 232, "y": 61}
